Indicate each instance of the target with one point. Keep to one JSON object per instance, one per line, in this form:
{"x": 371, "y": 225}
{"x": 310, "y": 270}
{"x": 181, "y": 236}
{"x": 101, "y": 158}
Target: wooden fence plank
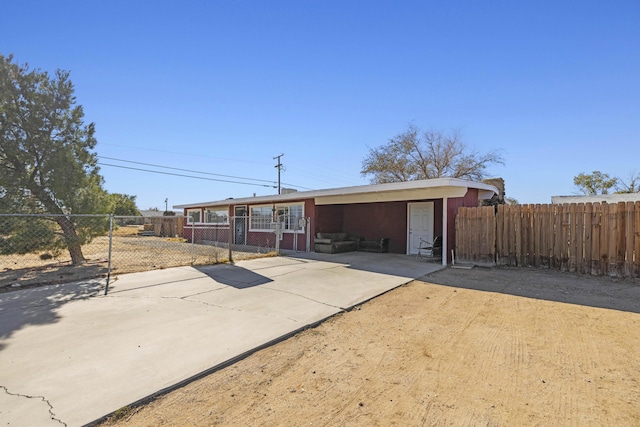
{"x": 499, "y": 234}
{"x": 579, "y": 230}
{"x": 459, "y": 236}
{"x": 529, "y": 255}
{"x": 566, "y": 225}
{"x": 575, "y": 238}
{"x": 489, "y": 219}
{"x": 636, "y": 244}
{"x": 613, "y": 239}
{"x": 594, "y": 260}
{"x": 547, "y": 232}
{"x": 537, "y": 234}
{"x": 629, "y": 222}
{"x": 620, "y": 244}
{"x": 524, "y": 232}
{"x": 557, "y": 236}
{"x": 516, "y": 228}
{"x": 473, "y": 237}
{"x": 605, "y": 220}
{"x": 507, "y": 248}
{"x": 584, "y": 228}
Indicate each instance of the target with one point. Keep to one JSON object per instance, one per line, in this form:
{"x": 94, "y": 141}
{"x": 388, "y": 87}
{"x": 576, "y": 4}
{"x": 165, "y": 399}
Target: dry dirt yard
{"x": 472, "y": 347}
{"x": 130, "y": 253}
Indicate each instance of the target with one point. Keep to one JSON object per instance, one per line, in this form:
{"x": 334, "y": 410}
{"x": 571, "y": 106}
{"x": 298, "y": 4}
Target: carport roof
{"x": 428, "y": 188}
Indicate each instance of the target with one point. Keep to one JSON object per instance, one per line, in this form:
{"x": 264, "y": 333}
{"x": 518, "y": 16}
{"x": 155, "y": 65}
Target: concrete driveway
{"x": 69, "y": 355}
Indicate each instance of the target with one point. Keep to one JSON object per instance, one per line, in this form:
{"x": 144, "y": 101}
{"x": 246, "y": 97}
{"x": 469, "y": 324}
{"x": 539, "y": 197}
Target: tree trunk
{"x": 68, "y": 227}
{"x": 71, "y": 239}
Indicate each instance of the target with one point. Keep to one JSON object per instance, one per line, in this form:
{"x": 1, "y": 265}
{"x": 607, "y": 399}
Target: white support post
{"x": 445, "y": 234}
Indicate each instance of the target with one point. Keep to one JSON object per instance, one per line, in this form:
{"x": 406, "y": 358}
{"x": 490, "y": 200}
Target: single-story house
{"x": 402, "y": 212}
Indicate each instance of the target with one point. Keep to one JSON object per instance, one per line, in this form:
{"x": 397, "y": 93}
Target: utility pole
{"x": 279, "y": 167}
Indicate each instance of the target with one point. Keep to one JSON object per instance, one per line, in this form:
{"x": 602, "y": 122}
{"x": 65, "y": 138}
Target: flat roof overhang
{"x": 396, "y": 191}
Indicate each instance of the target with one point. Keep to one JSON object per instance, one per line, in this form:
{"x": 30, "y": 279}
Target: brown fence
{"x": 167, "y": 226}
{"x": 592, "y": 238}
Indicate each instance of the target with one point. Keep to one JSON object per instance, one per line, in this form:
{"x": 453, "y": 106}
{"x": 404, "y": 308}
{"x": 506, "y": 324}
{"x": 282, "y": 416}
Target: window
{"x": 193, "y": 216}
{"x": 289, "y": 216}
{"x": 262, "y": 217}
{"x": 217, "y": 216}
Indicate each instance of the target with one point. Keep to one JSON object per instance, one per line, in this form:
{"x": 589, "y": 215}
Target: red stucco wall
{"x": 370, "y": 221}
{"x": 329, "y": 219}
{"x": 376, "y": 220}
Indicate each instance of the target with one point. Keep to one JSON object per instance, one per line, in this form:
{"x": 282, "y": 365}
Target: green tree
{"x": 123, "y": 204}
{"x": 414, "y": 155}
{"x": 594, "y": 183}
{"x": 46, "y": 159}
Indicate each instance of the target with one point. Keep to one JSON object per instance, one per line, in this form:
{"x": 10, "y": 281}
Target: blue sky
{"x": 225, "y": 86}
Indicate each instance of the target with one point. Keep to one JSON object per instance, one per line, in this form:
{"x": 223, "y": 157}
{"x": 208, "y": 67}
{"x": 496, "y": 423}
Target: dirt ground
{"x": 473, "y": 347}
{"x": 130, "y": 253}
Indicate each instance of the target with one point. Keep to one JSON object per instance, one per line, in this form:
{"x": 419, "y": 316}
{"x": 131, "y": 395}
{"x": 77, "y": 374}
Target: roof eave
{"x": 346, "y": 191}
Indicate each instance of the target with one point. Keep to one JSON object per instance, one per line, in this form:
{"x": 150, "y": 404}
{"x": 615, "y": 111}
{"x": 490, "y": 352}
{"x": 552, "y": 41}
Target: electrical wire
{"x": 195, "y": 171}
{"x": 199, "y": 155}
{"x": 185, "y": 170}
{"x": 187, "y": 176}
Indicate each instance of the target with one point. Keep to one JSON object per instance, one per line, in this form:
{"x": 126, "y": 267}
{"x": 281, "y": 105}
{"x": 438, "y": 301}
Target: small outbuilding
{"x": 398, "y": 215}
{"x": 599, "y": 198}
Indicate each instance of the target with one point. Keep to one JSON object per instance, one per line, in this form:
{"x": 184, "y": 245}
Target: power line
{"x": 199, "y": 155}
{"x": 185, "y": 170}
{"x": 195, "y": 171}
{"x": 185, "y": 176}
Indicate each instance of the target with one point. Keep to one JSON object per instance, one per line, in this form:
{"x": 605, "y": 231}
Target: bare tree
{"x": 630, "y": 185}
{"x": 414, "y": 155}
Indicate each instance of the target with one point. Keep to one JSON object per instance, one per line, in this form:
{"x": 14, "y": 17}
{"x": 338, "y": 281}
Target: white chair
{"x": 430, "y": 250}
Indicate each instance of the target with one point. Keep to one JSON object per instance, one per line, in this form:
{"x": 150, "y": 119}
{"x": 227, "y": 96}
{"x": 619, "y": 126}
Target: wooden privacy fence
{"x": 592, "y": 238}
{"x": 167, "y": 226}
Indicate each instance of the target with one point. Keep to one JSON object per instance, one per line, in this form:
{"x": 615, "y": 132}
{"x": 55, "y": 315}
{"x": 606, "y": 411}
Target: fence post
{"x": 193, "y": 241}
{"x": 232, "y": 233}
{"x": 106, "y": 288}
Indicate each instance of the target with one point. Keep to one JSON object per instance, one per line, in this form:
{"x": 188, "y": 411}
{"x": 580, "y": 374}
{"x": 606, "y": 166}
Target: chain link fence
{"x": 50, "y": 249}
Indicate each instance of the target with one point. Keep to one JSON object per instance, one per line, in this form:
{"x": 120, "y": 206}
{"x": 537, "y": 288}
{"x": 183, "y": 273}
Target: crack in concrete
{"x": 52, "y": 415}
{"x": 204, "y": 302}
{"x": 307, "y": 298}
{"x": 224, "y": 306}
{"x": 186, "y": 299}
{"x": 152, "y": 285}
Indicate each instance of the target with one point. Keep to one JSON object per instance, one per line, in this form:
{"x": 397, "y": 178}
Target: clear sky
{"x": 225, "y": 86}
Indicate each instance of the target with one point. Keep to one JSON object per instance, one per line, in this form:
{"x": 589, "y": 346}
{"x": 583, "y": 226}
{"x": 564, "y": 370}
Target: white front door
{"x": 420, "y": 225}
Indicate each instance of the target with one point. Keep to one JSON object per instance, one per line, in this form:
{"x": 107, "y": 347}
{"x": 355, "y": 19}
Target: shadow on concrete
{"x": 50, "y": 275}
{"x": 39, "y": 305}
{"x": 382, "y": 263}
{"x": 571, "y": 288}
{"x": 234, "y": 276}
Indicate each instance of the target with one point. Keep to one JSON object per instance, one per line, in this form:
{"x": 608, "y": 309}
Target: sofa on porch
{"x": 331, "y": 243}
{"x": 375, "y": 245}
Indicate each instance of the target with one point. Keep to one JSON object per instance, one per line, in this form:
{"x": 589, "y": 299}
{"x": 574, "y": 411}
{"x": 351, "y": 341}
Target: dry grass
{"x": 130, "y": 253}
